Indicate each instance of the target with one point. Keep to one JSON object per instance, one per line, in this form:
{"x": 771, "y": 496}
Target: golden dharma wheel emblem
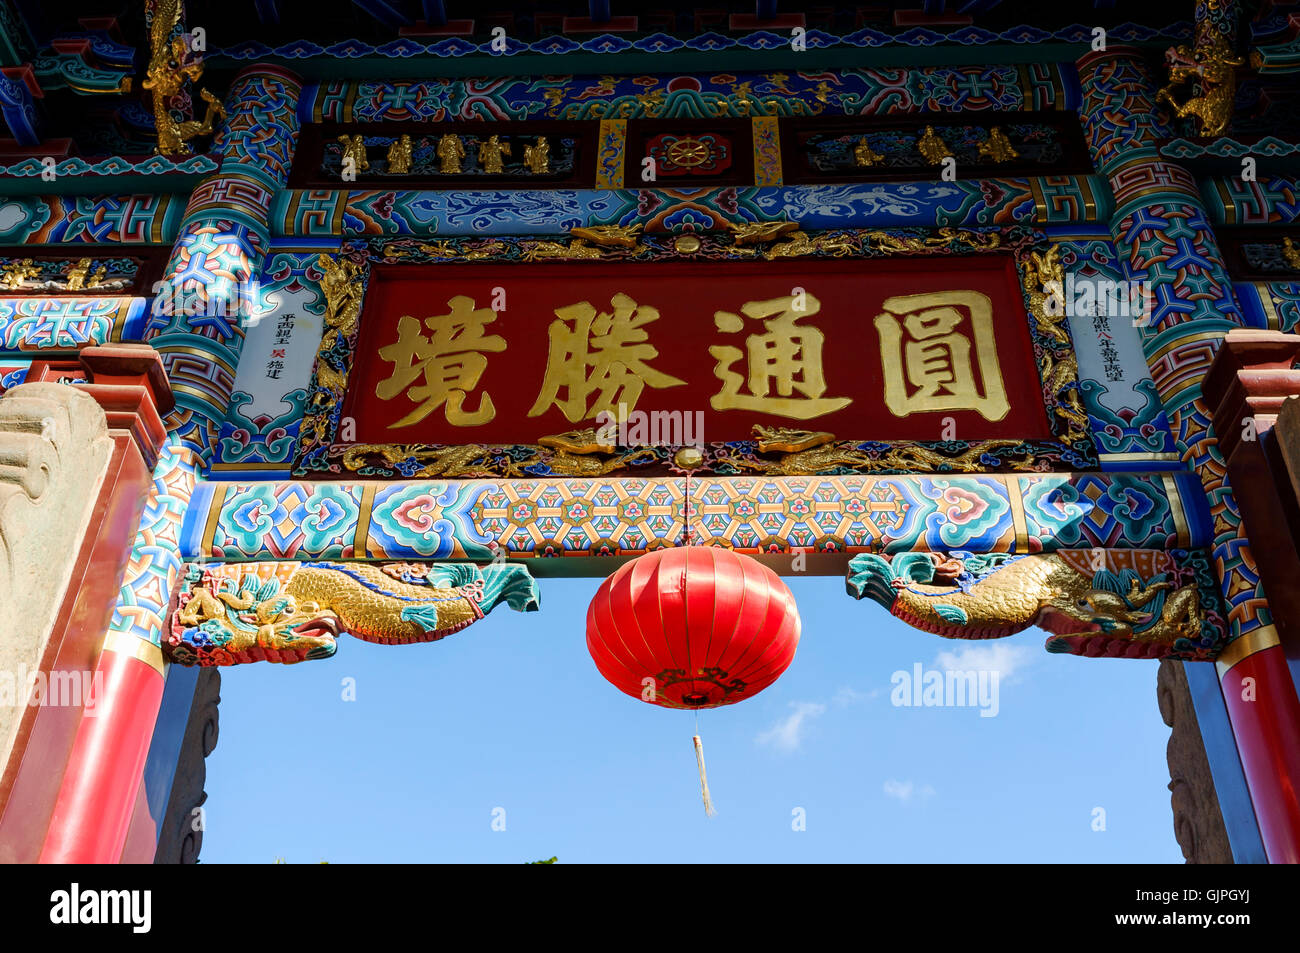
{"x": 689, "y": 152}
{"x": 688, "y": 458}
{"x": 686, "y": 244}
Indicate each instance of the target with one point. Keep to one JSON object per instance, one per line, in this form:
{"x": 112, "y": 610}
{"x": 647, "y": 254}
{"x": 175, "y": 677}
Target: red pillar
{"x": 93, "y": 812}
{"x": 1265, "y": 713}
{"x": 129, "y": 383}
{"x": 1252, "y": 376}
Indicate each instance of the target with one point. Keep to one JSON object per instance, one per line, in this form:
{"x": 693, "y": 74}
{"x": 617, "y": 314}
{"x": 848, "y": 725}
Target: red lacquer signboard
{"x": 865, "y": 349}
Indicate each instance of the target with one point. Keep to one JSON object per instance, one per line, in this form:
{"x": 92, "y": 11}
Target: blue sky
{"x": 512, "y": 714}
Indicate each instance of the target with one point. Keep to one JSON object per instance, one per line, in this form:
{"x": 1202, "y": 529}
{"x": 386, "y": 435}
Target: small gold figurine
{"x": 354, "y": 149}
{"x": 1291, "y": 253}
{"x": 399, "y": 155}
{"x": 79, "y": 276}
{"x": 16, "y": 272}
{"x": 998, "y": 147}
{"x": 490, "y": 153}
{"x": 450, "y": 152}
{"x": 932, "y": 147}
{"x": 537, "y": 157}
{"x": 865, "y": 156}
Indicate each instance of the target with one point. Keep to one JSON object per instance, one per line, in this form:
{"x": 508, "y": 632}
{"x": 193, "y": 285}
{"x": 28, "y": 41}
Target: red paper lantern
{"x": 707, "y": 626}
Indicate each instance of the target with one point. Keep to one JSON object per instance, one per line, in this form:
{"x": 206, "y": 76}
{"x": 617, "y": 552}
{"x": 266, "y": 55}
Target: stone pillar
{"x": 54, "y": 454}
{"x": 107, "y": 755}
{"x": 122, "y": 404}
{"x": 178, "y": 840}
{"x": 1198, "y": 822}
{"x": 1164, "y": 240}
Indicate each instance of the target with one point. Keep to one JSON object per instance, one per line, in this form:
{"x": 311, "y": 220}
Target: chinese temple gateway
{"x": 359, "y": 323}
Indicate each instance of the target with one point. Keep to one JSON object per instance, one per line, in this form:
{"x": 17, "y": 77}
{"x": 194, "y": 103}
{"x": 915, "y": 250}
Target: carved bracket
{"x": 1134, "y": 603}
{"x": 291, "y": 612}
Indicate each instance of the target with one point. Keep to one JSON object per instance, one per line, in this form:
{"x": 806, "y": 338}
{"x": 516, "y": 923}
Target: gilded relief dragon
{"x": 1112, "y": 612}
{"x": 579, "y": 453}
{"x": 1043, "y": 280}
{"x": 802, "y": 452}
{"x": 291, "y": 612}
{"x": 456, "y": 460}
{"x": 576, "y": 453}
{"x": 171, "y": 63}
{"x": 812, "y": 452}
{"x": 342, "y": 285}
{"x": 1212, "y": 65}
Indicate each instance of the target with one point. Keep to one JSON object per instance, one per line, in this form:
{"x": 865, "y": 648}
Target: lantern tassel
{"x": 704, "y": 778}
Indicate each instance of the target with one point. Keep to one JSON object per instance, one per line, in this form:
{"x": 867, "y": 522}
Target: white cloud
{"x": 848, "y": 696}
{"x": 786, "y": 734}
{"x": 994, "y": 656}
{"x": 906, "y": 790}
{"x": 11, "y": 215}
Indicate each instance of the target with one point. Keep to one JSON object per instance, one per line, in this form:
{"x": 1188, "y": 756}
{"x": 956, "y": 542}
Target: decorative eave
{"x": 660, "y": 52}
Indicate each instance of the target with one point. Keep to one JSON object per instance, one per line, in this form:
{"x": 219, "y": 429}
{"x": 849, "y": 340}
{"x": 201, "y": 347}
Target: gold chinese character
{"x": 788, "y": 356}
{"x": 602, "y": 354}
{"x": 934, "y": 370}
{"x": 449, "y": 360}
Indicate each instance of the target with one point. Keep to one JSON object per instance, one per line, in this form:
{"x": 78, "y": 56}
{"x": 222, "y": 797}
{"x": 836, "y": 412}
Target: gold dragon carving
{"x": 577, "y": 453}
{"x": 810, "y": 452}
{"x": 294, "y": 612}
{"x": 992, "y": 596}
{"x": 342, "y": 287}
{"x": 1212, "y": 65}
{"x": 586, "y": 242}
{"x": 171, "y": 63}
{"x": 1043, "y": 278}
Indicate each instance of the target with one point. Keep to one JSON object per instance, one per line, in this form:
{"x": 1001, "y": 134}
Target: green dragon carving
{"x": 1106, "y": 612}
